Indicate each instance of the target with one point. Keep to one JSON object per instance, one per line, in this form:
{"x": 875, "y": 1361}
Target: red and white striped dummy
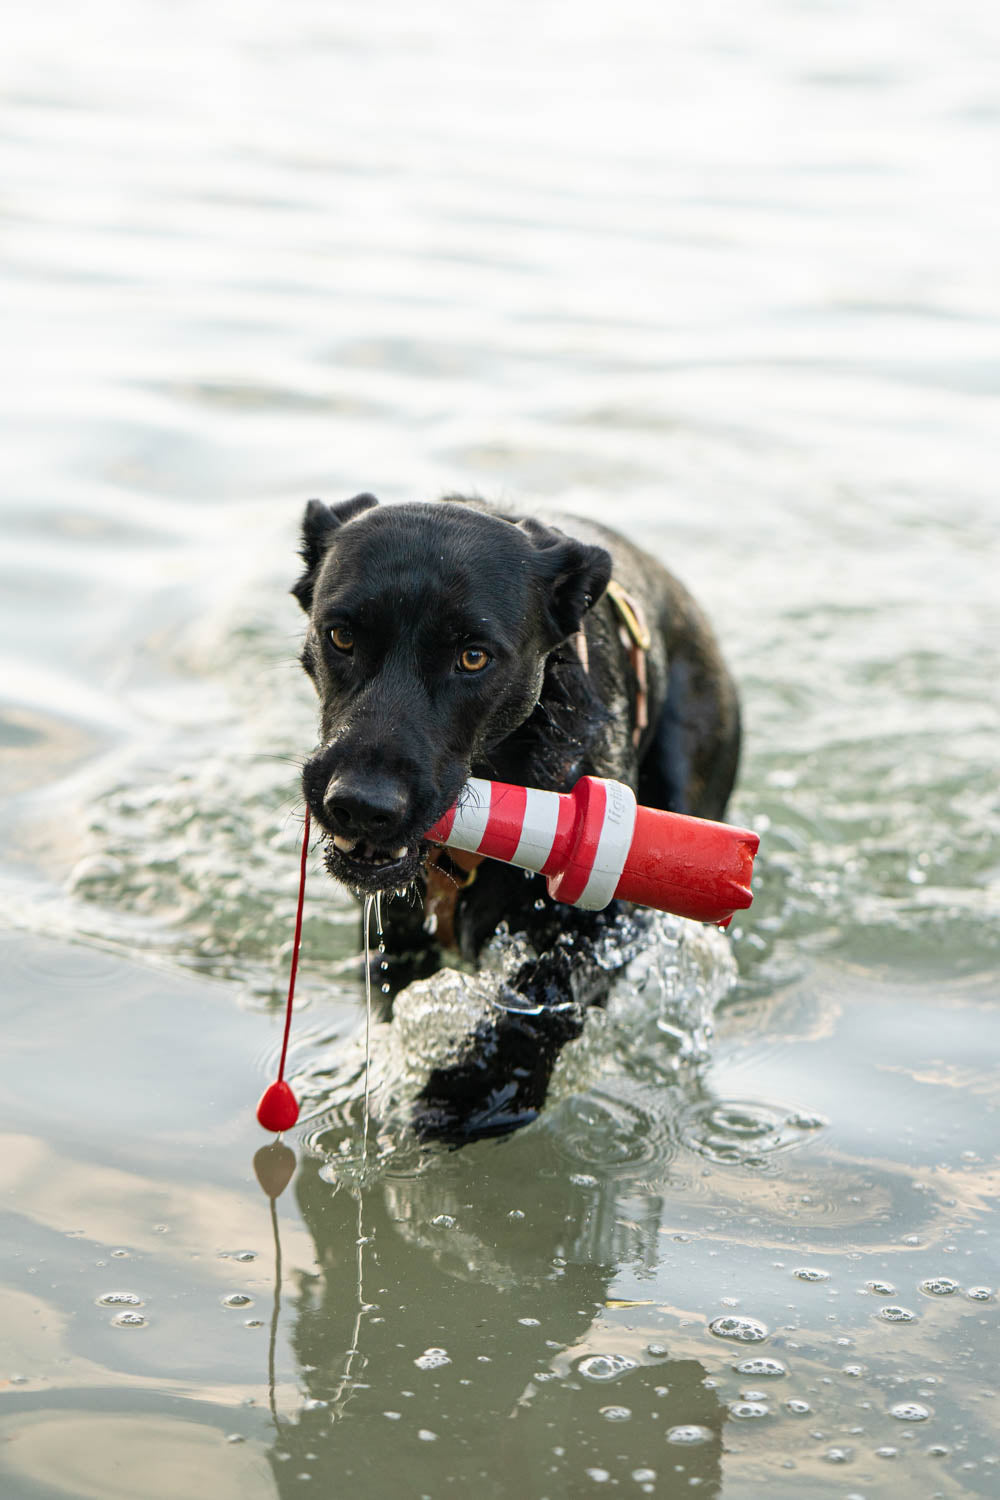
{"x": 594, "y": 844}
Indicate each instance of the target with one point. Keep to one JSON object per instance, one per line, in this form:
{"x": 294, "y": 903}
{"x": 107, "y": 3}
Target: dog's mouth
{"x": 368, "y": 867}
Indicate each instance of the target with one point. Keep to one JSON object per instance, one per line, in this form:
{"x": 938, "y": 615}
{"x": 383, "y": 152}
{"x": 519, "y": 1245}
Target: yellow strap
{"x": 630, "y": 614}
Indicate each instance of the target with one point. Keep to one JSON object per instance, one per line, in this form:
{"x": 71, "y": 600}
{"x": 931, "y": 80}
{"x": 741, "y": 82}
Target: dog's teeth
{"x": 399, "y": 853}
{"x": 344, "y": 845}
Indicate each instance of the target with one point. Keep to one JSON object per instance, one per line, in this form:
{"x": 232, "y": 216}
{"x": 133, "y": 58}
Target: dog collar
{"x": 634, "y": 634}
{"x": 449, "y": 872}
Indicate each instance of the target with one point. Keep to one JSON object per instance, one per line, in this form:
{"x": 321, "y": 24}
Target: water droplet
{"x": 760, "y": 1365}
{"x": 426, "y": 1436}
{"x": 745, "y": 1411}
{"x": 606, "y": 1366}
{"x": 432, "y": 1359}
{"x": 732, "y": 1326}
{"x": 599, "y": 1476}
{"x": 120, "y": 1299}
{"x": 128, "y": 1320}
{"x": 657, "y": 1351}
{"x": 583, "y": 1179}
{"x": 616, "y": 1413}
{"x": 253, "y": 1323}
{"x": 237, "y": 1299}
{"x": 245, "y": 1255}
{"x": 530, "y": 1322}
{"x": 810, "y": 1273}
{"x": 235, "y": 1437}
{"x": 745, "y": 1131}
{"x": 516, "y": 1213}
{"x": 838, "y": 1455}
{"x": 909, "y": 1411}
{"x": 896, "y": 1315}
{"x": 444, "y": 1221}
{"x": 886, "y": 1452}
{"x": 689, "y": 1434}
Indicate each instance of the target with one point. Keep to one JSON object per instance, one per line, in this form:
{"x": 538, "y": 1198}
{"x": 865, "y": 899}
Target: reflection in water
{"x": 274, "y": 1167}
{"x": 442, "y": 1303}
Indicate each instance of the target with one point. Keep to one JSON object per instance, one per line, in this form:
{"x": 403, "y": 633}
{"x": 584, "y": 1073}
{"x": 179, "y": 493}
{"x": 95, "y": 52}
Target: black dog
{"x": 455, "y": 639}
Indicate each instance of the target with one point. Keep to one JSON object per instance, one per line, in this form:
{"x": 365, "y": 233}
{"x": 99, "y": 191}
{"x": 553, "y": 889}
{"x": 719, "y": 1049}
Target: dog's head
{"x": 429, "y": 628}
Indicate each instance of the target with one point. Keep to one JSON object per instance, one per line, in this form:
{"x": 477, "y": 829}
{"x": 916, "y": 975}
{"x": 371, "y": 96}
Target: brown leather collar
{"x": 449, "y": 871}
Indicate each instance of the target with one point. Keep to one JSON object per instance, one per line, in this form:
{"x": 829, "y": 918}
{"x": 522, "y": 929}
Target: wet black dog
{"x": 455, "y": 639}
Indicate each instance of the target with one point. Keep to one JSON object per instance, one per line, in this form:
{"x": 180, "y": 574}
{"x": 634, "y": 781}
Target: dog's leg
{"x": 500, "y": 1081}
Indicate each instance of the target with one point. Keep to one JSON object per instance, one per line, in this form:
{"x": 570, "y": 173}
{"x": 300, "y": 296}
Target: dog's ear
{"x": 573, "y": 574}
{"x": 318, "y": 525}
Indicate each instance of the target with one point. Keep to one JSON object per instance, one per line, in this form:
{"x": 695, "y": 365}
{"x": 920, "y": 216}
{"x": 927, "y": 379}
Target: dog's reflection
{"x": 459, "y": 1334}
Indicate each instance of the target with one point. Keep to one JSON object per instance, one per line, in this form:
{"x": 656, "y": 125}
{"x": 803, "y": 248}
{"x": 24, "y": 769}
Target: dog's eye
{"x": 473, "y": 659}
{"x": 342, "y": 637}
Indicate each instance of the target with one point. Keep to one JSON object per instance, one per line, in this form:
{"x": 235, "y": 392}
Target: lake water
{"x": 728, "y": 276}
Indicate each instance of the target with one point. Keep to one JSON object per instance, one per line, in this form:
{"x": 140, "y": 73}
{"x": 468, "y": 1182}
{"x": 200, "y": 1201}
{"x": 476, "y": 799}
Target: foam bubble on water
{"x": 119, "y": 1299}
{"x": 689, "y": 1434}
{"x": 909, "y": 1411}
{"x": 797, "y": 1408}
{"x": 980, "y": 1293}
{"x": 736, "y": 1326}
{"x": 760, "y": 1365}
{"x": 811, "y": 1273}
{"x": 616, "y": 1413}
{"x": 939, "y": 1286}
{"x": 894, "y": 1314}
{"x": 128, "y": 1320}
{"x": 748, "y": 1411}
{"x": 432, "y": 1359}
{"x": 237, "y": 1299}
{"x": 881, "y": 1288}
{"x": 606, "y": 1366}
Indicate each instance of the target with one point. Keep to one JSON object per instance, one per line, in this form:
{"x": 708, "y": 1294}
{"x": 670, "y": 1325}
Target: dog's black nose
{"x": 361, "y": 807}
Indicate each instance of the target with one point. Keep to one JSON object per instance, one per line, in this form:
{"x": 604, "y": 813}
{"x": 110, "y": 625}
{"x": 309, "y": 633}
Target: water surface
{"x": 728, "y": 278}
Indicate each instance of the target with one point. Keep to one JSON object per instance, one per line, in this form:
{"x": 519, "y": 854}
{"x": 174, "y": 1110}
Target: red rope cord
{"x": 295, "y": 945}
